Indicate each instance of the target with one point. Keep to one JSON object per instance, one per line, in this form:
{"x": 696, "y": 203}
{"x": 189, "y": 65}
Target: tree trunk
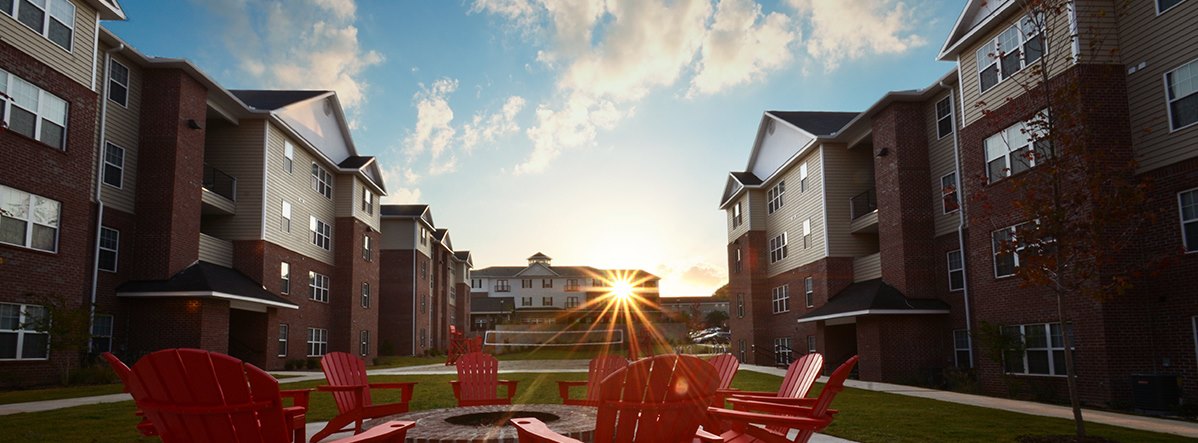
{"x": 1071, "y": 375}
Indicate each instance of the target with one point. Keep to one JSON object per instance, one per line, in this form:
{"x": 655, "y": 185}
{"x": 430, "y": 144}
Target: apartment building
{"x": 424, "y": 282}
{"x": 900, "y": 255}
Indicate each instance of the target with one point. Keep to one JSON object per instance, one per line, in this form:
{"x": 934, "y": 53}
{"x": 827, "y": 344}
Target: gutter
{"x": 960, "y": 218}
{"x": 91, "y": 314}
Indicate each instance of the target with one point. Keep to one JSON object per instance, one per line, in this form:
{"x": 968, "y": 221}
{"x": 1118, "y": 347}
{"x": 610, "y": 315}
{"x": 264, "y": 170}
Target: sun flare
{"x": 621, "y": 289}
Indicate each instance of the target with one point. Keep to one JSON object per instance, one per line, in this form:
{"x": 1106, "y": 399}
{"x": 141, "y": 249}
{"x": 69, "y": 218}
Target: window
{"x": 774, "y": 195}
{"x": 423, "y": 236}
{"x": 285, "y": 277}
{"x": 318, "y": 342}
{"x": 322, "y": 182}
{"x": 285, "y": 218}
{"x": 546, "y": 301}
{"x": 944, "y": 118}
{"x": 110, "y": 240}
{"x": 778, "y": 249}
{"x": 19, "y": 335}
{"x": 741, "y": 349}
{"x": 1006, "y": 262}
{"x": 1043, "y": 349}
{"x": 28, "y": 220}
{"x": 424, "y": 271}
{"x": 809, "y": 291}
{"x": 810, "y": 344}
{"x": 476, "y": 283}
{"x": 1010, "y": 151}
{"x": 1165, "y": 5}
{"x": 597, "y": 282}
{"x": 806, "y": 233}
{"x": 571, "y": 285}
{"x": 366, "y": 295}
{"x": 526, "y": 283}
{"x": 32, "y": 112}
{"x": 364, "y": 343}
{"x": 423, "y": 338}
{"x": 58, "y": 26}
{"x": 803, "y": 177}
{"x": 1189, "y": 219}
{"x": 956, "y": 271}
{"x": 502, "y": 286}
{"x": 961, "y": 349}
{"x": 781, "y": 299}
{"x": 948, "y": 193}
{"x": 318, "y": 287}
{"x": 282, "y": 352}
{"x": 101, "y": 333}
{"x": 367, "y": 253}
{"x": 322, "y": 233}
{"x": 782, "y": 354}
{"x": 288, "y": 155}
{"x": 1014, "y": 49}
{"x": 424, "y": 304}
{"x": 367, "y": 200}
{"x": 737, "y": 219}
{"x": 114, "y": 165}
{"x": 118, "y": 82}
{"x": 1181, "y": 91}
{"x": 740, "y": 305}
{"x": 547, "y": 283}
{"x": 739, "y": 263}
{"x": 525, "y": 301}
{"x": 572, "y": 301}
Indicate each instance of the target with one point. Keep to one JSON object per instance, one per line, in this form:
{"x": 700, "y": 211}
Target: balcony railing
{"x": 218, "y": 181}
{"x": 863, "y": 203}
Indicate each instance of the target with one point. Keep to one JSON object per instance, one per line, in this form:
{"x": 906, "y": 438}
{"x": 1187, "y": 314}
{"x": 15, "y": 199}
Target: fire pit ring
{"x": 490, "y": 423}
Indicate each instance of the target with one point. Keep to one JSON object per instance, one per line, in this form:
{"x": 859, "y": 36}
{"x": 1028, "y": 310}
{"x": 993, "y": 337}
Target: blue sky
{"x": 597, "y": 132}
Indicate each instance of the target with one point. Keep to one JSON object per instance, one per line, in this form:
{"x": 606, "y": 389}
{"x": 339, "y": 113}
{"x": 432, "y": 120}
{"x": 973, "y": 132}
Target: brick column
{"x": 902, "y": 178}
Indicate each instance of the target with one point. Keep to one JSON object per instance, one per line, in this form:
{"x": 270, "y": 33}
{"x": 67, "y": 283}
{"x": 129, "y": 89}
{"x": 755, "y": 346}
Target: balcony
{"x": 220, "y": 191}
{"x": 216, "y": 251}
{"x": 864, "y": 210}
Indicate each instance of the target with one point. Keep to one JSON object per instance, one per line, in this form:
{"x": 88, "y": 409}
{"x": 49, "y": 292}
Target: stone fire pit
{"x": 490, "y": 423}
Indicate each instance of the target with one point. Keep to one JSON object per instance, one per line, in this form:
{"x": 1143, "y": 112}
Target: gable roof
{"x": 422, "y": 212}
{"x": 272, "y": 100}
{"x": 355, "y": 162}
{"x": 746, "y": 178}
{"x": 108, "y": 9}
{"x": 465, "y": 257}
{"x": 976, "y": 19}
{"x": 203, "y": 279}
{"x": 818, "y": 123}
{"x": 873, "y": 297}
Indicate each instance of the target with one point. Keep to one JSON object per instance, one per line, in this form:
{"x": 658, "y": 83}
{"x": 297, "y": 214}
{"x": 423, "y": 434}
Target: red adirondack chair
{"x": 600, "y": 368}
{"x": 145, "y": 427}
{"x": 346, "y": 375}
{"x": 778, "y": 419}
{"x": 655, "y": 399}
{"x": 798, "y": 380}
{"x": 192, "y": 395}
{"x": 478, "y": 381}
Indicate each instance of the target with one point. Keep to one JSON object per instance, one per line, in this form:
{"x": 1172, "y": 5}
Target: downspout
{"x": 960, "y": 219}
{"x": 91, "y": 313}
{"x": 415, "y": 303}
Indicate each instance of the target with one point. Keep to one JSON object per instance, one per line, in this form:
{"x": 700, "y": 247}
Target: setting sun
{"x": 621, "y": 289}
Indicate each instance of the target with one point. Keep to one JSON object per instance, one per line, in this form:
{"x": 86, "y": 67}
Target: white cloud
{"x": 343, "y": 9}
{"x": 850, "y": 29}
{"x": 401, "y": 186}
{"x": 433, "y": 131}
{"x": 487, "y": 128}
{"x": 742, "y": 45}
{"x": 435, "y": 138}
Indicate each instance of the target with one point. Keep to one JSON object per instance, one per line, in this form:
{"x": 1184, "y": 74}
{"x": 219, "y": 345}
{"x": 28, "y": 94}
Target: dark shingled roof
{"x": 271, "y": 100}
{"x": 439, "y": 234}
{"x": 491, "y": 304}
{"x": 539, "y": 256}
{"x": 746, "y": 178}
{"x": 818, "y": 123}
{"x": 355, "y": 162}
{"x": 461, "y": 255}
{"x": 873, "y": 295}
{"x": 403, "y": 210}
{"x": 207, "y": 277}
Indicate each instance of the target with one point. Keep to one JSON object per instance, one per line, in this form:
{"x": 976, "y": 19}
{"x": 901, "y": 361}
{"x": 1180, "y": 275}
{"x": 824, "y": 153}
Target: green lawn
{"x": 865, "y": 415}
{"x": 28, "y": 395}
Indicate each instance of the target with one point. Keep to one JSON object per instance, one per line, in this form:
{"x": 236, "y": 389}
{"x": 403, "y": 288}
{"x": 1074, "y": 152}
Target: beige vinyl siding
{"x": 76, "y": 63}
{"x": 1097, "y": 28}
{"x": 348, "y": 193}
{"x": 941, "y": 163}
{"x": 867, "y": 267}
{"x": 296, "y": 188}
{"x": 846, "y": 173}
{"x": 1144, "y": 38}
{"x": 216, "y": 251}
{"x": 121, "y": 128}
{"x": 755, "y": 211}
{"x": 797, "y": 207}
{"x": 1059, "y": 53}
{"x": 400, "y": 234}
{"x": 735, "y": 233}
{"x": 237, "y": 151}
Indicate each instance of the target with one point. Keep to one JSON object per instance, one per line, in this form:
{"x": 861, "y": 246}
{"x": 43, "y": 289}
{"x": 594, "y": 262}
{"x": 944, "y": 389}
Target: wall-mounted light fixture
{"x": 883, "y": 152}
{"x": 193, "y": 124}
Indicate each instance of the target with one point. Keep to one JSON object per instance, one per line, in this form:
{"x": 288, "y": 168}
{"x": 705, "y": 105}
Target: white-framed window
{"x": 525, "y": 301}
{"x": 781, "y": 299}
{"x": 962, "y": 351}
{"x": 1181, "y": 93}
{"x": 546, "y": 301}
{"x": 1188, "y": 203}
{"x": 782, "y": 352}
{"x": 318, "y": 342}
{"x": 740, "y": 305}
{"x": 53, "y": 19}
{"x": 956, "y": 271}
{"x": 322, "y": 233}
{"x": 476, "y": 283}
{"x": 282, "y": 351}
{"x": 33, "y": 112}
{"x": 502, "y": 286}
{"x": 1165, "y": 5}
{"x": 1006, "y": 263}
{"x": 809, "y": 291}
{"x": 572, "y": 301}
{"x": 778, "y": 248}
{"x": 774, "y": 196}
{"x": 19, "y": 337}
{"x": 364, "y": 342}
{"x": 1043, "y": 349}
{"x": 118, "y": 82}
{"x": 803, "y": 177}
{"x": 738, "y": 265}
{"x": 811, "y": 344}
{"x": 1014, "y": 49}
{"x": 322, "y": 181}
{"x": 110, "y": 242}
{"x": 546, "y": 282}
{"x": 806, "y": 233}
{"x": 285, "y": 277}
{"x": 423, "y": 236}
{"x": 114, "y": 165}
{"x": 285, "y": 217}
{"x": 949, "y": 200}
{"x": 366, "y": 295}
{"x": 101, "y": 333}
{"x": 526, "y": 283}
{"x": 572, "y": 285}
{"x": 367, "y": 252}
{"x": 28, "y": 220}
{"x": 318, "y": 287}
{"x": 944, "y": 118}
{"x": 367, "y": 201}
{"x": 737, "y": 218}
{"x": 1015, "y": 149}
{"x": 288, "y": 156}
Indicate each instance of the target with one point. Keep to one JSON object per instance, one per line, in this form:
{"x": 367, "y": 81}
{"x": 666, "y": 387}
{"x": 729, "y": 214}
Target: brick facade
{"x": 901, "y": 176}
